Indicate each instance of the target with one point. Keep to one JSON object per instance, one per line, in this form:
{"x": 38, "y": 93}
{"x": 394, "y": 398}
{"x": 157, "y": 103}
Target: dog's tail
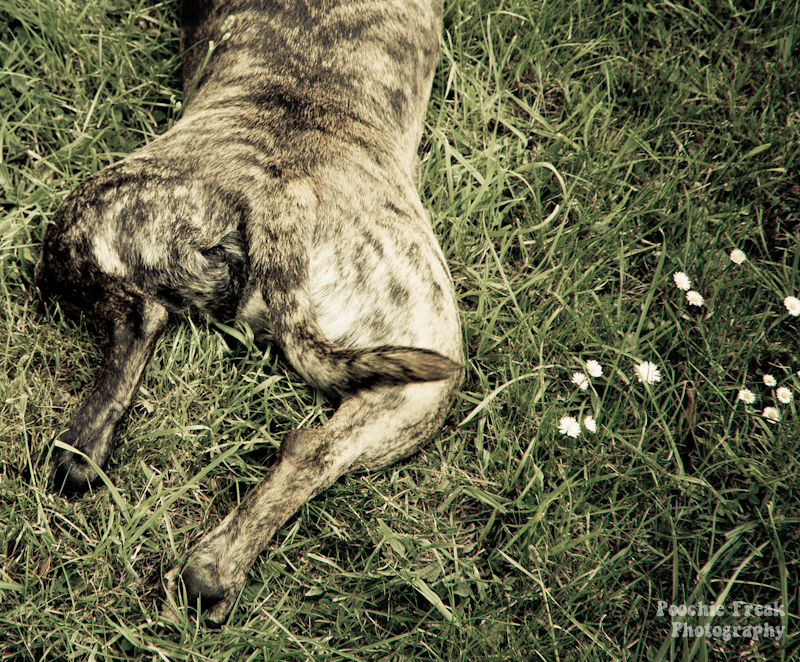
{"x": 342, "y": 370}
{"x": 338, "y": 370}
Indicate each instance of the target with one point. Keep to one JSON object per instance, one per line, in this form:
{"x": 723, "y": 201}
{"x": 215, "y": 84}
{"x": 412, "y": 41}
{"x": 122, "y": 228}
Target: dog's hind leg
{"x": 369, "y": 430}
{"x": 130, "y": 322}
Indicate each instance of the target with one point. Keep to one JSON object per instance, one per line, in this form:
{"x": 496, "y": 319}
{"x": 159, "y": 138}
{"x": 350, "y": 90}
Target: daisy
{"x": 590, "y": 424}
{"x": 769, "y": 380}
{"x": 746, "y": 396}
{"x": 580, "y": 380}
{"x": 594, "y": 368}
{"x": 737, "y": 256}
{"x": 784, "y": 395}
{"x": 648, "y": 372}
{"x": 694, "y": 298}
{"x": 792, "y": 305}
{"x": 682, "y": 280}
{"x": 772, "y": 414}
{"x": 569, "y": 426}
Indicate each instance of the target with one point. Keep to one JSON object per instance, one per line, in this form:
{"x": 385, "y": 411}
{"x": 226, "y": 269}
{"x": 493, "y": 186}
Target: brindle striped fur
{"x": 284, "y": 197}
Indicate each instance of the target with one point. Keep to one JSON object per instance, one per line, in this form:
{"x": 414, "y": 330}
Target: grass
{"x": 576, "y": 156}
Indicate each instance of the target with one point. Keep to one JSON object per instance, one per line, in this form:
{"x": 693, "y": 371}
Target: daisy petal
{"x": 580, "y": 380}
{"x": 694, "y": 298}
{"x": 737, "y": 256}
{"x": 594, "y": 368}
{"x": 648, "y": 372}
{"x": 746, "y": 396}
{"x": 682, "y": 280}
{"x": 792, "y": 305}
{"x": 569, "y": 426}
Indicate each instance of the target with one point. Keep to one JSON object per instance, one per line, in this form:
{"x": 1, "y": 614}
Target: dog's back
{"x": 285, "y": 197}
{"x": 313, "y": 77}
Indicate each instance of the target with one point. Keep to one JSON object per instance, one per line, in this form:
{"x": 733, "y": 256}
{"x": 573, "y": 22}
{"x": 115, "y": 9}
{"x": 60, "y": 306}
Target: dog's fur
{"x": 284, "y": 197}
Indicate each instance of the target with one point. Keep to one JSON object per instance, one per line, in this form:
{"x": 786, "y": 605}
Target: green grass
{"x": 577, "y": 155}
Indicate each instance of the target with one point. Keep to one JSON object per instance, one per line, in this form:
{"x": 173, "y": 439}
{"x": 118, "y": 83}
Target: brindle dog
{"x": 285, "y": 197}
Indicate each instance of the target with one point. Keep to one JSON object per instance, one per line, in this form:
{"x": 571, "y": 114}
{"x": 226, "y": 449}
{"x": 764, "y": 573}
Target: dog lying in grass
{"x": 284, "y": 197}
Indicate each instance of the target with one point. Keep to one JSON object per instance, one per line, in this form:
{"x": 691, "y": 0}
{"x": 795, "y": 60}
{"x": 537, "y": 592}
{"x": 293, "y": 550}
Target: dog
{"x": 285, "y": 197}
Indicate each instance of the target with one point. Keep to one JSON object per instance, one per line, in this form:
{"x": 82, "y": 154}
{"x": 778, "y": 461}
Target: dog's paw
{"x": 204, "y": 589}
{"x": 70, "y": 473}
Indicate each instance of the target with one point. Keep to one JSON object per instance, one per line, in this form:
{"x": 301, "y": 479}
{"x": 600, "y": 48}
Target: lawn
{"x": 578, "y": 154}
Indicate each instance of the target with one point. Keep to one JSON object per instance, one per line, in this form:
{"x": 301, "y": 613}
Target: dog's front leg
{"x": 131, "y": 323}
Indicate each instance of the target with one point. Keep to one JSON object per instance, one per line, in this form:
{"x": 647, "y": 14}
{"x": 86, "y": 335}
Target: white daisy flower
{"x": 594, "y": 368}
{"x": 694, "y": 298}
{"x": 737, "y": 256}
{"x": 648, "y": 372}
{"x": 792, "y": 305}
{"x": 746, "y": 396}
{"x": 784, "y": 395}
{"x": 682, "y": 280}
{"x": 569, "y": 425}
{"x": 580, "y": 380}
{"x": 590, "y": 424}
{"x": 772, "y": 414}
{"x": 769, "y": 380}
